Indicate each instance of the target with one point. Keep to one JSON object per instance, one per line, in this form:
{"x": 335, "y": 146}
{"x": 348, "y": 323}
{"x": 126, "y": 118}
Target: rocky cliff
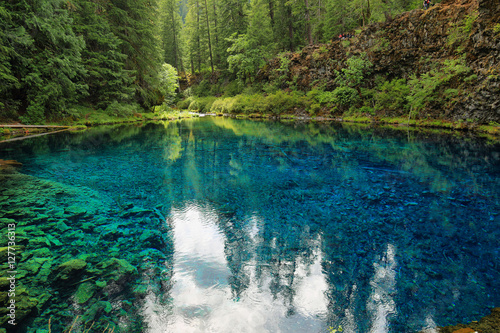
{"x": 415, "y": 43}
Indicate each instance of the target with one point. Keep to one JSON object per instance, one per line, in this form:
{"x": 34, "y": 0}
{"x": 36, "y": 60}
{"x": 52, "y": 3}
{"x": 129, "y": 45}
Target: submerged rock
{"x": 84, "y": 292}
{"x": 6, "y": 164}
{"x": 71, "y": 270}
{"x": 116, "y": 269}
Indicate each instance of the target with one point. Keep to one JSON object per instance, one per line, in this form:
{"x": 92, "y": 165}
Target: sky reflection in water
{"x": 202, "y": 297}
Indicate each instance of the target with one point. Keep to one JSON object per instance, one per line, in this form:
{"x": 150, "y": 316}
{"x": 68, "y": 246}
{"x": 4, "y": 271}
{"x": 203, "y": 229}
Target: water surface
{"x": 219, "y": 225}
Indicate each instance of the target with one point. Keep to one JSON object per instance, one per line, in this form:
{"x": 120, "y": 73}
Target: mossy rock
{"x": 70, "y": 270}
{"x": 4, "y": 252}
{"x": 118, "y": 266}
{"x": 96, "y": 308}
{"x": 24, "y": 305}
{"x": 75, "y": 211}
{"x": 84, "y": 292}
{"x": 116, "y": 269}
{"x": 45, "y": 271}
{"x": 4, "y": 283}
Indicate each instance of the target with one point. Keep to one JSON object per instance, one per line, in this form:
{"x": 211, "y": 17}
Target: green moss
{"x": 101, "y": 284}
{"x": 84, "y": 292}
{"x": 70, "y": 268}
{"x": 116, "y": 268}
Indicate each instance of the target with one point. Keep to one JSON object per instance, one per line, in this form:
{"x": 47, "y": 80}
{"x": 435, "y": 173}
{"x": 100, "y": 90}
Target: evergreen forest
{"x": 63, "y": 59}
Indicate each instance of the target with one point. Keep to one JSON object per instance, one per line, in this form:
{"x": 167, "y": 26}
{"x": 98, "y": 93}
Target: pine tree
{"x": 107, "y": 78}
{"x": 134, "y": 22}
{"x": 171, "y": 27}
{"x": 47, "y": 59}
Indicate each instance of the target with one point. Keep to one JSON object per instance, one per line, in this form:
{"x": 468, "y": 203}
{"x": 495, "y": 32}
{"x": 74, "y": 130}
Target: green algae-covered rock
{"x": 84, "y": 292}
{"x": 61, "y": 226}
{"x": 71, "y": 269}
{"x": 42, "y": 253}
{"x": 4, "y": 252}
{"x": 33, "y": 265}
{"x": 39, "y": 242}
{"x": 117, "y": 268}
{"x": 152, "y": 238}
{"x": 45, "y": 271}
{"x": 24, "y": 305}
{"x": 136, "y": 212}
{"x": 4, "y": 283}
{"x": 75, "y": 211}
{"x": 100, "y": 284}
{"x": 100, "y": 306}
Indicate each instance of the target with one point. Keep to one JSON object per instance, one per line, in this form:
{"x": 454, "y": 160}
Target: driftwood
{"x": 33, "y": 126}
{"x": 34, "y": 135}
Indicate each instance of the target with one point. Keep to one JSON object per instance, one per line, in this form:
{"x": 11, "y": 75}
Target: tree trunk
{"x": 217, "y": 60}
{"x": 308, "y": 24}
{"x": 290, "y": 28}
{"x": 271, "y": 12}
{"x": 209, "y": 41}
{"x": 198, "y": 53}
{"x": 175, "y": 39}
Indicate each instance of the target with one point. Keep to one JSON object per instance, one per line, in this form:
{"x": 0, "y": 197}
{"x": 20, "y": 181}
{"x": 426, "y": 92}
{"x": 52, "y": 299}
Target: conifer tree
{"x": 106, "y": 77}
{"x": 171, "y": 27}
{"x": 47, "y": 58}
{"x": 134, "y": 22}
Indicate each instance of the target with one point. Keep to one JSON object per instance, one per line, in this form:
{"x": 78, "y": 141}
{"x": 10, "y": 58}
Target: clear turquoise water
{"x": 242, "y": 226}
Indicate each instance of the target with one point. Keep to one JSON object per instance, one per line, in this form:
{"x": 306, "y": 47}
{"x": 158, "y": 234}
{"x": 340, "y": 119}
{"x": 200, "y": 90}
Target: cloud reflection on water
{"x": 203, "y": 299}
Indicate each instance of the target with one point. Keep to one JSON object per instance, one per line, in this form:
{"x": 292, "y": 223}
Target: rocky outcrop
{"x": 412, "y": 43}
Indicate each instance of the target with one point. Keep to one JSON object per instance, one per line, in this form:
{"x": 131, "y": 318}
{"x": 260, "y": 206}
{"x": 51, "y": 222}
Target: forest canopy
{"x": 58, "y": 56}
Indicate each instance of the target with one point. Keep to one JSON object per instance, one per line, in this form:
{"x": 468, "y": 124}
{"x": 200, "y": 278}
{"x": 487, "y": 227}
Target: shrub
{"x": 121, "y": 110}
{"x": 233, "y": 88}
{"x": 194, "y": 105}
{"x": 169, "y": 83}
{"x": 426, "y": 89}
{"x": 366, "y": 110}
{"x": 202, "y": 89}
{"x": 357, "y": 68}
{"x": 184, "y": 104}
{"x": 391, "y": 96}
{"x": 346, "y": 96}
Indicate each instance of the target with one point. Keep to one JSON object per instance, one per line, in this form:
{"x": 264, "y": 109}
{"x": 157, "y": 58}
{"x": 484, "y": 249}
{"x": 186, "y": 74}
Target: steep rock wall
{"x": 412, "y": 43}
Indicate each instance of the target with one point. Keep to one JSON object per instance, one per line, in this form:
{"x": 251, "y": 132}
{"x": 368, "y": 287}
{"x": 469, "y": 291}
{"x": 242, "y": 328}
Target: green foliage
{"x": 349, "y": 80}
{"x": 169, "y": 83}
{"x": 184, "y": 104}
{"x": 469, "y": 22}
{"x": 390, "y": 97}
{"x": 201, "y": 104}
{"x": 357, "y": 68}
{"x": 245, "y": 57}
{"x": 346, "y": 96}
{"x": 322, "y": 97}
{"x": 202, "y": 89}
{"x": 496, "y": 28}
{"x": 366, "y": 110}
{"x": 459, "y": 32}
{"x": 426, "y": 89}
{"x": 276, "y": 103}
{"x": 106, "y": 77}
{"x": 117, "y": 109}
{"x": 56, "y": 54}
{"x": 233, "y": 88}
{"x": 280, "y": 75}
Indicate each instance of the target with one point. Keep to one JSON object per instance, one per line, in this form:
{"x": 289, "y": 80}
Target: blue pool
{"x": 224, "y": 225}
